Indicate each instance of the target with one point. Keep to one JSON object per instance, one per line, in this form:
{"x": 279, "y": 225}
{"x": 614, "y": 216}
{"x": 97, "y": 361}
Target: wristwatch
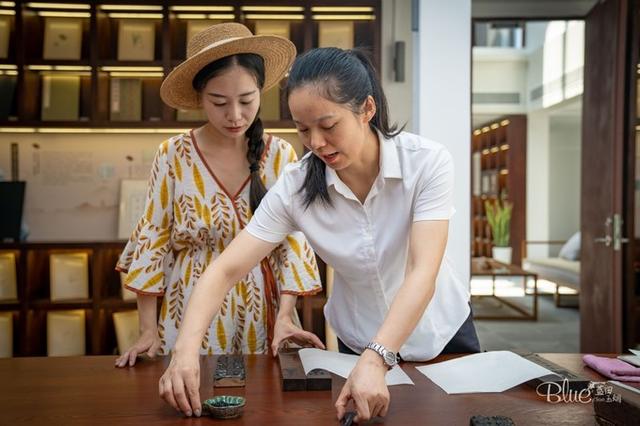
{"x": 390, "y": 358}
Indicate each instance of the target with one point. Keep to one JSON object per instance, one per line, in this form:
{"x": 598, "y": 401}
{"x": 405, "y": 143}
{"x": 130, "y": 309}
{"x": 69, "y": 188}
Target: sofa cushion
{"x": 561, "y": 271}
{"x": 571, "y": 249}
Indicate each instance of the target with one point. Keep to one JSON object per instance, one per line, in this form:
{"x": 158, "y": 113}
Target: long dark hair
{"x": 345, "y": 77}
{"x": 254, "y": 64}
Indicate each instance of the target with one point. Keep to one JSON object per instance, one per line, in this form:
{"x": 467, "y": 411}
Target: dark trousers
{"x": 464, "y": 341}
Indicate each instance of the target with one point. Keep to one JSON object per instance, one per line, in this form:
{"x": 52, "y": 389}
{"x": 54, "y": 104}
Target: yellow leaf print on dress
{"x": 178, "y": 168}
{"x": 222, "y": 337}
{"x": 197, "y": 179}
{"x": 150, "y": 212}
{"x": 251, "y": 339}
{"x": 276, "y": 162}
{"x": 153, "y": 280}
{"x": 294, "y": 246}
{"x": 296, "y": 276}
{"x": 164, "y": 193}
{"x": 176, "y": 213}
{"x": 132, "y": 275}
{"x": 198, "y": 206}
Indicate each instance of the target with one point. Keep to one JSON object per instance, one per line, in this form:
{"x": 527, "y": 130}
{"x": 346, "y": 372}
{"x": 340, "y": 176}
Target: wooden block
{"x": 230, "y": 371}
{"x": 8, "y": 285}
{"x": 66, "y": 333}
{"x": 6, "y": 335}
{"x": 616, "y": 404}
{"x": 293, "y": 377}
{"x": 127, "y": 326}
{"x": 69, "y": 276}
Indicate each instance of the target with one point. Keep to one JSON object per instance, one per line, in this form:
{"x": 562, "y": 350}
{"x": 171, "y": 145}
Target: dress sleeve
{"x": 434, "y": 195}
{"x": 293, "y": 261}
{"x": 295, "y": 268}
{"x": 148, "y": 258}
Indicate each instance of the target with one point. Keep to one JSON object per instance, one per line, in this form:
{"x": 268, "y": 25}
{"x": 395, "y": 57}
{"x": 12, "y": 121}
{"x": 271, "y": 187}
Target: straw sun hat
{"x": 219, "y": 41}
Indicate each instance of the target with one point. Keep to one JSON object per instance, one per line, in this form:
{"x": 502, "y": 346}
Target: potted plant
{"x": 499, "y": 217}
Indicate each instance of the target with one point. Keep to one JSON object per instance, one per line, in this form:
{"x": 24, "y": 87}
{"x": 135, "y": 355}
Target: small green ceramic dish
{"x": 224, "y": 406}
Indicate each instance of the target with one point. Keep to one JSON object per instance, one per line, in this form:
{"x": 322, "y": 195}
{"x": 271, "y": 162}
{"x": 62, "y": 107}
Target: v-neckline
{"x": 213, "y": 175}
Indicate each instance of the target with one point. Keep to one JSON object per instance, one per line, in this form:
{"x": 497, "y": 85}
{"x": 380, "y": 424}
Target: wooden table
{"x": 89, "y": 390}
{"x": 484, "y": 266}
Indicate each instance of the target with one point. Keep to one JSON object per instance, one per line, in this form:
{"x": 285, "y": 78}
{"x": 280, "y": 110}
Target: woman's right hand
{"x": 148, "y": 342}
{"x": 180, "y": 384}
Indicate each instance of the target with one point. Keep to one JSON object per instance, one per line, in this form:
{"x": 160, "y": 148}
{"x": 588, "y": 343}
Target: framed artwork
{"x": 5, "y": 30}
{"x": 335, "y": 34}
{"x": 8, "y": 283}
{"x": 69, "y": 276}
{"x": 133, "y": 195}
{"x": 136, "y": 40}
{"x": 66, "y": 333}
{"x": 126, "y": 324}
{"x": 127, "y": 295}
{"x": 62, "y": 38}
{"x": 6, "y": 334}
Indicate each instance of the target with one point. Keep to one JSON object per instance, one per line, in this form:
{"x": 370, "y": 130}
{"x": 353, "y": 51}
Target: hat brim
{"x": 278, "y": 53}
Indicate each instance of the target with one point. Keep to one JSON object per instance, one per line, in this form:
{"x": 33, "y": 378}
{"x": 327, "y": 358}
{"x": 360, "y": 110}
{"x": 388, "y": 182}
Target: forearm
{"x": 406, "y": 310}
{"x": 147, "y": 312}
{"x": 287, "y": 305}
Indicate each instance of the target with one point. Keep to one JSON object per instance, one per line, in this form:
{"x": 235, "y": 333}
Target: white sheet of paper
{"x": 342, "y": 364}
{"x": 635, "y": 352}
{"x": 483, "y": 372}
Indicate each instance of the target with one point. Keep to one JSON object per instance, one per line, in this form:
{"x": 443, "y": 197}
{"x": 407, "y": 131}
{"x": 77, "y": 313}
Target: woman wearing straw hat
{"x": 375, "y": 204}
{"x": 203, "y": 189}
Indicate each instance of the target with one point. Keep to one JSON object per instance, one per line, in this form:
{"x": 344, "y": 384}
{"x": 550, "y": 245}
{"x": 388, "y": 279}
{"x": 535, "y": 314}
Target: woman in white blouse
{"x": 375, "y": 204}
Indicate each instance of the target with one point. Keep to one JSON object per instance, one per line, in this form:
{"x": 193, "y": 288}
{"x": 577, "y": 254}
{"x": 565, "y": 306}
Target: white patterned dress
{"x": 189, "y": 220}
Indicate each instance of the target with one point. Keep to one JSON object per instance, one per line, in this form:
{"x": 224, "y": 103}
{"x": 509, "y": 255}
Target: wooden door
{"x": 601, "y": 280}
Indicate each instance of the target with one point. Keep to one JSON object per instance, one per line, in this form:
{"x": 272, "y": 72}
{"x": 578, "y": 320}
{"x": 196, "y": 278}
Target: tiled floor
{"x": 557, "y": 329}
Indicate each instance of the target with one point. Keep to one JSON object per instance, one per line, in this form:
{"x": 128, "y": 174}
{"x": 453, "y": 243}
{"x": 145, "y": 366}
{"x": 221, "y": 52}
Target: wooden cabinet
{"x": 30, "y": 309}
{"x": 498, "y": 170}
{"x": 101, "y": 27}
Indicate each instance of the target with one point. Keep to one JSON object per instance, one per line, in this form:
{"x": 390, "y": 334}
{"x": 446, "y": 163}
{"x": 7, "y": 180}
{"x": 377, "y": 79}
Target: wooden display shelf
{"x": 501, "y": 146}
{"x": 99, "y": 48}
{"x": 30, "y": 310}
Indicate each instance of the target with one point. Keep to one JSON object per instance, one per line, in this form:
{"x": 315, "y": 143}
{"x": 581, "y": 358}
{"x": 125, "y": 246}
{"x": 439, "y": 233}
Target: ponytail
{"x": 345, "y": 77}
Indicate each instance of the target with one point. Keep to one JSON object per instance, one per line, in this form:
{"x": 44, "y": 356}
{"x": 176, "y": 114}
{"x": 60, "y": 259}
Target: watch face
{"x": 390, "y": 359}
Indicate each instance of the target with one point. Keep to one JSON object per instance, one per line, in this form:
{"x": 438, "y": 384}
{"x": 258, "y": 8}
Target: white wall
{"x": 538, "y": 163}
{"x": 73, "y": 180}
{"x": 499, "y": 71}
{"x": 443, "y": 104}
{"x": 565, "y": 141}
{"x": 396, "y": 19}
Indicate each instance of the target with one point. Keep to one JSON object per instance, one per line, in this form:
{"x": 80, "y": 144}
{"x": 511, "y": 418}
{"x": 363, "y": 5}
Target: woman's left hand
{"x": 367, "y": 388}
{"x": 285, "y": 329}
